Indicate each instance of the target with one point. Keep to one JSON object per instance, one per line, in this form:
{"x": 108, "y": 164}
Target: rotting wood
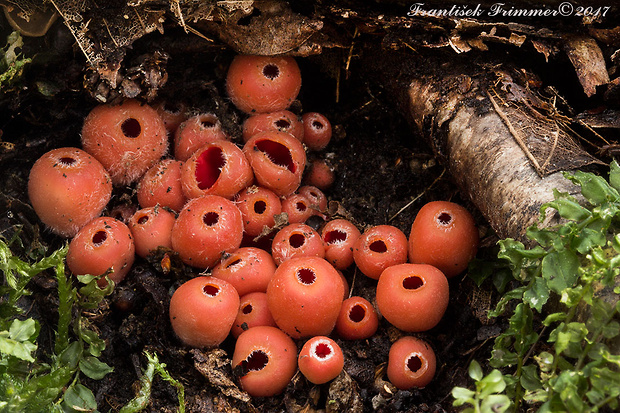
{"x": 491, "y": 167}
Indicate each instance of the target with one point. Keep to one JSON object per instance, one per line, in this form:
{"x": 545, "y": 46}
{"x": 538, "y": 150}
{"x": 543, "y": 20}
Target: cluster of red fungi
{"x": 213, "y": 198}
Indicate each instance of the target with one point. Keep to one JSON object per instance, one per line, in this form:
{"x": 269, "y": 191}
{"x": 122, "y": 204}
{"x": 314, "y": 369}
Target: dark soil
{"x": 380, "y": 164}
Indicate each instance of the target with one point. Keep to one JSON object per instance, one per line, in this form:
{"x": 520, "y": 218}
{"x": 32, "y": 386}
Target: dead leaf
{"x": 588, "y": 61}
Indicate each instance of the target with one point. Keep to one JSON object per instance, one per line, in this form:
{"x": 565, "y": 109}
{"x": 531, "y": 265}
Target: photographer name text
{"x": 564, "y": 9}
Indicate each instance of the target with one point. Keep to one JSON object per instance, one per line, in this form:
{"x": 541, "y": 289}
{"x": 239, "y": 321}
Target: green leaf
{"x": 587, "y": 240}
{"x": 614, "y": 175}
{"x": 594, "y": 188}
{"x": 93, "y": 368}
{"x": 79, "y": 398}
{"x": 23, "y": 330}
{"x": 537, "y": 295}
{"x": 554, "y": 318}
{"x": 462, "y": 395}
{"x": 475, "y": 371}
{"x": 491, "y": 383}
{"x": 569, "y": 209}
{"x": 529, "y": 378}
{"x": 495, "y": 404}
{"x": 560, "y": 269}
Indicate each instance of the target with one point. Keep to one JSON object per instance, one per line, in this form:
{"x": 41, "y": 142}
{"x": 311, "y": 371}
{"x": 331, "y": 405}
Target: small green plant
{"x": 557, "y": 353}
{"x": 11, "y": 63}
{"x": 140, "y": 402}
{"x": 33, "y": 381}
{"x": 487, "y": 397}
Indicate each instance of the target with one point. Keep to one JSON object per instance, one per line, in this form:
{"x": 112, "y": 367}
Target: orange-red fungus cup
{"x": 265, "y": 360}
{"x": 320, "y": 360}
{"x": 248, "y": 269}
{"x": 317, "y": 131}
{"x": 196, "y": 132}
{"x": 127, "y": 139}
{"x": 253, "y": 312}
{"x": 202, "y": 311}
{"x": 259, "y": 84}
{"x": 151, "y": 228}
{"x": 68, "y": 188}
{"x": 207, "y": 227}
{"x": 278, "y": 161}
{"x": 304, "y": 296}
{"x": 411, "y": 363}
{"x": 412, "y": 297}
{"x": 104, "y": 246}
{"x": 378, "y": 248}
{"x": 218, "y": 168}
{"x": 161, "y": 185}
{"x": 340, "y": 236}
{"x": 357, "y": 319}
{"x": 296, "y": 240}
{"x": 258, "y": 207}
{"x": 444, "y": 235}
{"x": 283, "y": 121}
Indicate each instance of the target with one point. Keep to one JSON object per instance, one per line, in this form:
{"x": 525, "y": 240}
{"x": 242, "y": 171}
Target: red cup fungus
{"x": 357, "y": 320}
{"x": 161, "y": 185}
{"x": 202, "y": 311}
{"x": 195, "y": 133}
{"x": 411, "y": 363}
{"x": 318, "y": 200}
{"x": 317, "y": 131}
{"x": 297, "y": 208}
{"x": 103, "y": 246}
{"x": 283, "y": 121}
{"x": 259, "y": 84}
{"x": 258, "y": 208}
{"x": 172, "y": 114}
{"x": 340, "y": 236}
{"x": 320, "y": 360}
{"x": 304, "y": 296}
{"x": 444, "y": 235}
{"x": 265, "y": 360}
{"x": 296, "y": 240}
{"x": 218, "y": 168}
{"x": 205, "y": 228}
{"x": 278, "y": 161}
{"x": 127, "y": 139}
{"x": 320, "y": 175}
{"x": 68, "y": 188}
{"x": 380, "y": 247}
{"x": 253, "y": 312}
{"x": 151, "y": 228}
{"x": 248, "y": 269}
{"x": 412, "y": 297}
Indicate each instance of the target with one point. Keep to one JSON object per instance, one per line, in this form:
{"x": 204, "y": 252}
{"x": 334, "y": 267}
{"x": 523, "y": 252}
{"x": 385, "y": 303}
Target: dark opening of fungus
{"x": 322, "y": 350}
{"x": 260, "y": 207}
{"x": 143, "y": 219}
{"x": 209, "y": 166}
{"x": 232, "y": 264}
{"x": 282, "y": 124}
{"x": 257, "y": 360}
{"x": 208, "y": 121}
{"x": 301, "y": 206}
{"x": 413, "y": 282}
{"x": 271, "y": 71}
{"x": 335, "y": 236}
{"x": 211, "y": 290}
{"x": 247, "y": 309}
{"x": 357, "y": 313}
{"x": 277, "y": 153}
{"x": 306, "y": 276}
{"x": 317, "y": 125}
{"x": 100, "y": 237}
{"x": 67, "y": 161}
{"x": 210, "y": 218}
{"x": 444, "y": 218}
{"x": 414, "y": 363}
{"x": 378, "y": 246}
{"x": 297, "y": 240}
{"x": 131, "y": 128}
